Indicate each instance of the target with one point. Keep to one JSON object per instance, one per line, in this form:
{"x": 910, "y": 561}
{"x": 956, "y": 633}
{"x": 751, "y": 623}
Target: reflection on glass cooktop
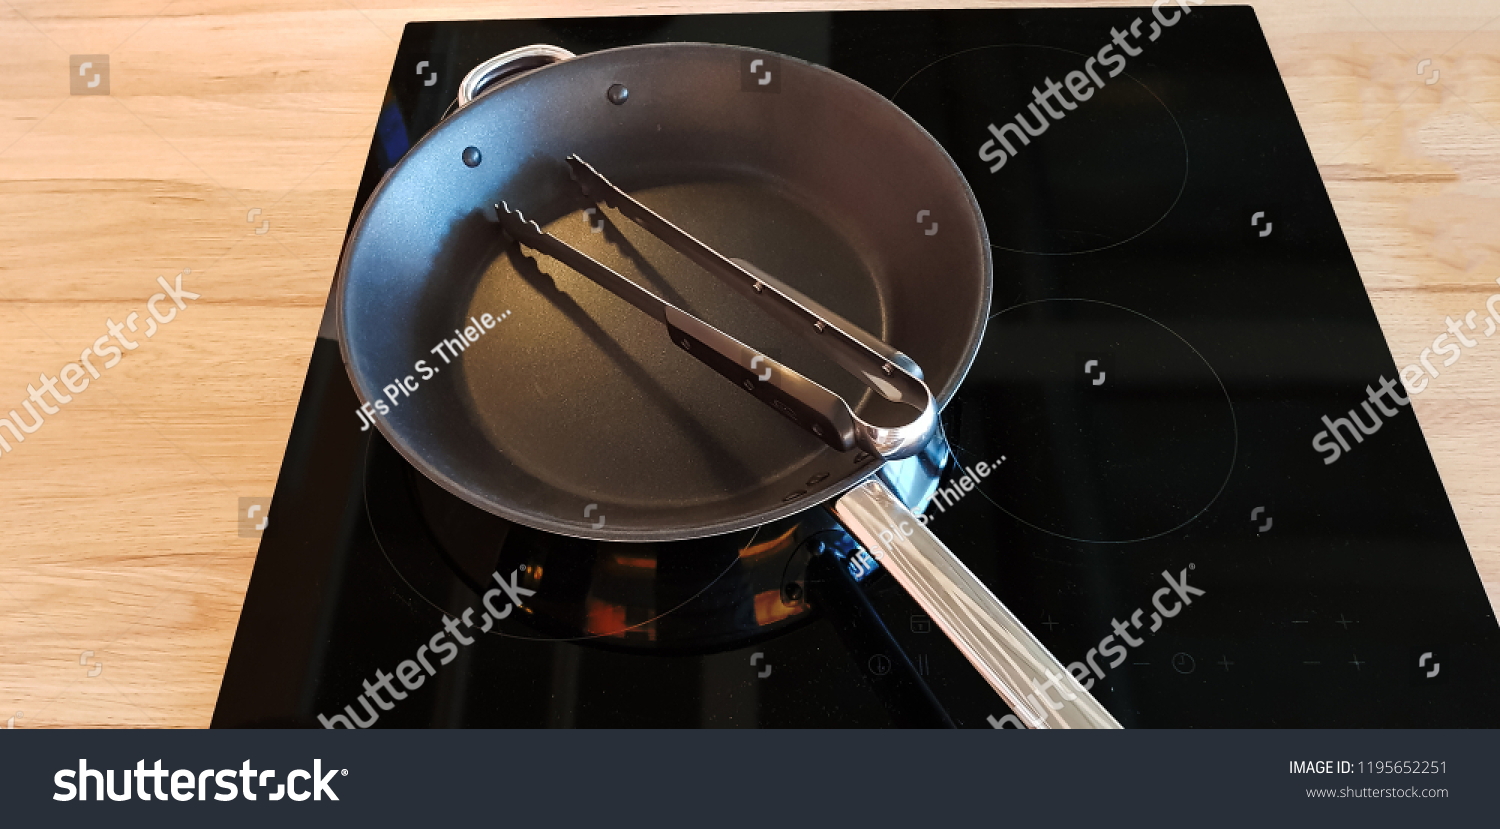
{"x": 1133, "y": 472}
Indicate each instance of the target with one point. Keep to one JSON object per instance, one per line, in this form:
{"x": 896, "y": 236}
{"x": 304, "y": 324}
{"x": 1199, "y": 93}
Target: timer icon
{"x": 1183, "y": 663}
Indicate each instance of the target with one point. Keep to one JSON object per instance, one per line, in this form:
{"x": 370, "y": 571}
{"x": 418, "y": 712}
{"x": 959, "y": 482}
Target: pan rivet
{"x": 617, "y": 94}
{"x": 686, "y": 346}
{"x": 817, "y": 479}
{"x": 758, "y": 287}
{"x": 471, "y": 156}
{"x": 795, "y": 495}
{"x": 793, "y": 592}
{"x": 749, "y": 385}
{"x": 817, "y": 430}
{"x": 819, "y": 325}
{"x": 888, "y": 368}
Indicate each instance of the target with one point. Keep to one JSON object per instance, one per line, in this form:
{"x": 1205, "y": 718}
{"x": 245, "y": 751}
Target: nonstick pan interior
{"x": 575, "y": 413}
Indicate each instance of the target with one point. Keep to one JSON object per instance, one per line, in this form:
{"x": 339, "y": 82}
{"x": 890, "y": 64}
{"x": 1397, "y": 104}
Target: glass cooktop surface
{"x": 1182, "y": 456}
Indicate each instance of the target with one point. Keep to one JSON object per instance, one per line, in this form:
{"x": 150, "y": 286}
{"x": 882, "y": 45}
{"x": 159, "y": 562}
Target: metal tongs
{"x": 806, "y": 403}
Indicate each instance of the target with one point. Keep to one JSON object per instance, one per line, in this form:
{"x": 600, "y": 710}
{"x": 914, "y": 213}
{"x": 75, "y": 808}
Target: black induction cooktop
{"x": 1141, "y": 459}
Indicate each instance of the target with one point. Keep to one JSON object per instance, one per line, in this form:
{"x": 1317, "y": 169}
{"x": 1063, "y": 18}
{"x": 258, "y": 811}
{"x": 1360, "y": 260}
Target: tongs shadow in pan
{"x": 806, "y": 403}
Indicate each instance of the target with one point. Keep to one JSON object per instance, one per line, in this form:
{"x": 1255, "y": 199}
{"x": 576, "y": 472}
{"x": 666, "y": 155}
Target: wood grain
{"x": 119, "y": 515}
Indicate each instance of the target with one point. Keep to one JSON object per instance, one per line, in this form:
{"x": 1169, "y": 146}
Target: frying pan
{"x": 529, "y": 390}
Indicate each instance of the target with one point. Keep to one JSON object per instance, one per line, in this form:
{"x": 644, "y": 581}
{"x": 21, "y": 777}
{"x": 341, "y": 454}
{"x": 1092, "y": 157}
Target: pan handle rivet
{"x": 758, "y": 287}
{"x": 820, "y": 325}
{"x": 888, "y": 368}
{"x": 749, "y": 385}
{"x": 617, "y": 94}
{"x": 471, "y": 156}
{"x": 817, "y": 479}
{"x": 686, "y": 345}
{"x": 817, "y": 430}
{"x": 795, "y": 495}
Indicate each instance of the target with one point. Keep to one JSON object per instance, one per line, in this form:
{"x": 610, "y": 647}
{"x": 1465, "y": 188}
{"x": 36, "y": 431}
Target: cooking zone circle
{"x": 1113, "y": 428}
{"x": 1059, "y": 162}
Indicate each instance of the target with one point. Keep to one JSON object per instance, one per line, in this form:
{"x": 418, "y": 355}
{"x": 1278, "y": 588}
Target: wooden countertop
{"x": 121, "y": 553}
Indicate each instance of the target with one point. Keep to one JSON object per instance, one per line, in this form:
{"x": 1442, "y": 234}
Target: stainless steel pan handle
{"x": 1021, "y": 670}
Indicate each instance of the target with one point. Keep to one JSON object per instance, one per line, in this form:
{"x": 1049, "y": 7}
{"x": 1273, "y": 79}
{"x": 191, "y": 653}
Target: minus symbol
{"x": 1140, "y": 663}
{"x": 1299, "y": 621}
{"x": 1312, "y": 663}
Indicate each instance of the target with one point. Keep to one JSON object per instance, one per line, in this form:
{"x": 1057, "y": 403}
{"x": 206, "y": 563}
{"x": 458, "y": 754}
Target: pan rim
{"x": 644, "y": 535}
